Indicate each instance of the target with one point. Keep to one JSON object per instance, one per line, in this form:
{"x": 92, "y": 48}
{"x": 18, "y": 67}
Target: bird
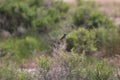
{"x": 63, "y": 37}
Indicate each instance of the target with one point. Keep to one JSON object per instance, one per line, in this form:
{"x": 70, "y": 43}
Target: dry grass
{"x": 111, "y": 9}
{"x": 70, "y": 1}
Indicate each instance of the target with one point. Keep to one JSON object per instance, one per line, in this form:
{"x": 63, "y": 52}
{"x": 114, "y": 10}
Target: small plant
{"x": 44, "y": 63}
{"x": 44, "y": 67}
{"x": 101, "y": 71}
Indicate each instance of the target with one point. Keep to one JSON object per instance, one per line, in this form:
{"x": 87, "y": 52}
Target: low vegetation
{"x": 33, "y": 29}
{"x": 65, "y": 67}
{"x": 108, "y": 40}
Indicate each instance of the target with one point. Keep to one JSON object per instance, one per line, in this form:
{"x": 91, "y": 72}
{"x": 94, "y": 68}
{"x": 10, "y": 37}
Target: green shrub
{"x": 18, "y": 11}
{"x": 44, "y": 62}
{"x": 85, "y": 68}
{"x": 98, "y": 20}
{"x": 91, "y": 18}
{"x": 9, "y": 73}
{"x": 6, "y": 73}
{"x": 47, "y": 19}
{"x": 108, "y": 40}
{"x": 33, "y": 14}
{"x": 90, "y": 3}
{"x": 81, "y": 40}
{"x": 101, "y": 71}
{"x": 61, "y": 6}
{"x": 81, "y": 15}
{"x": 23, "y": 48}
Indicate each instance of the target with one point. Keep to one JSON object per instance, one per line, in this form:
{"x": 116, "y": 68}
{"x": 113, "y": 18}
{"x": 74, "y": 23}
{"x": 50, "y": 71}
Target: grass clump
{"x": 108, "y": 40}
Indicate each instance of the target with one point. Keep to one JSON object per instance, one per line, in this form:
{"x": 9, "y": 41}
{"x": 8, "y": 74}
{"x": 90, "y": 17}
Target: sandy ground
{"x": 70, "y": 1}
